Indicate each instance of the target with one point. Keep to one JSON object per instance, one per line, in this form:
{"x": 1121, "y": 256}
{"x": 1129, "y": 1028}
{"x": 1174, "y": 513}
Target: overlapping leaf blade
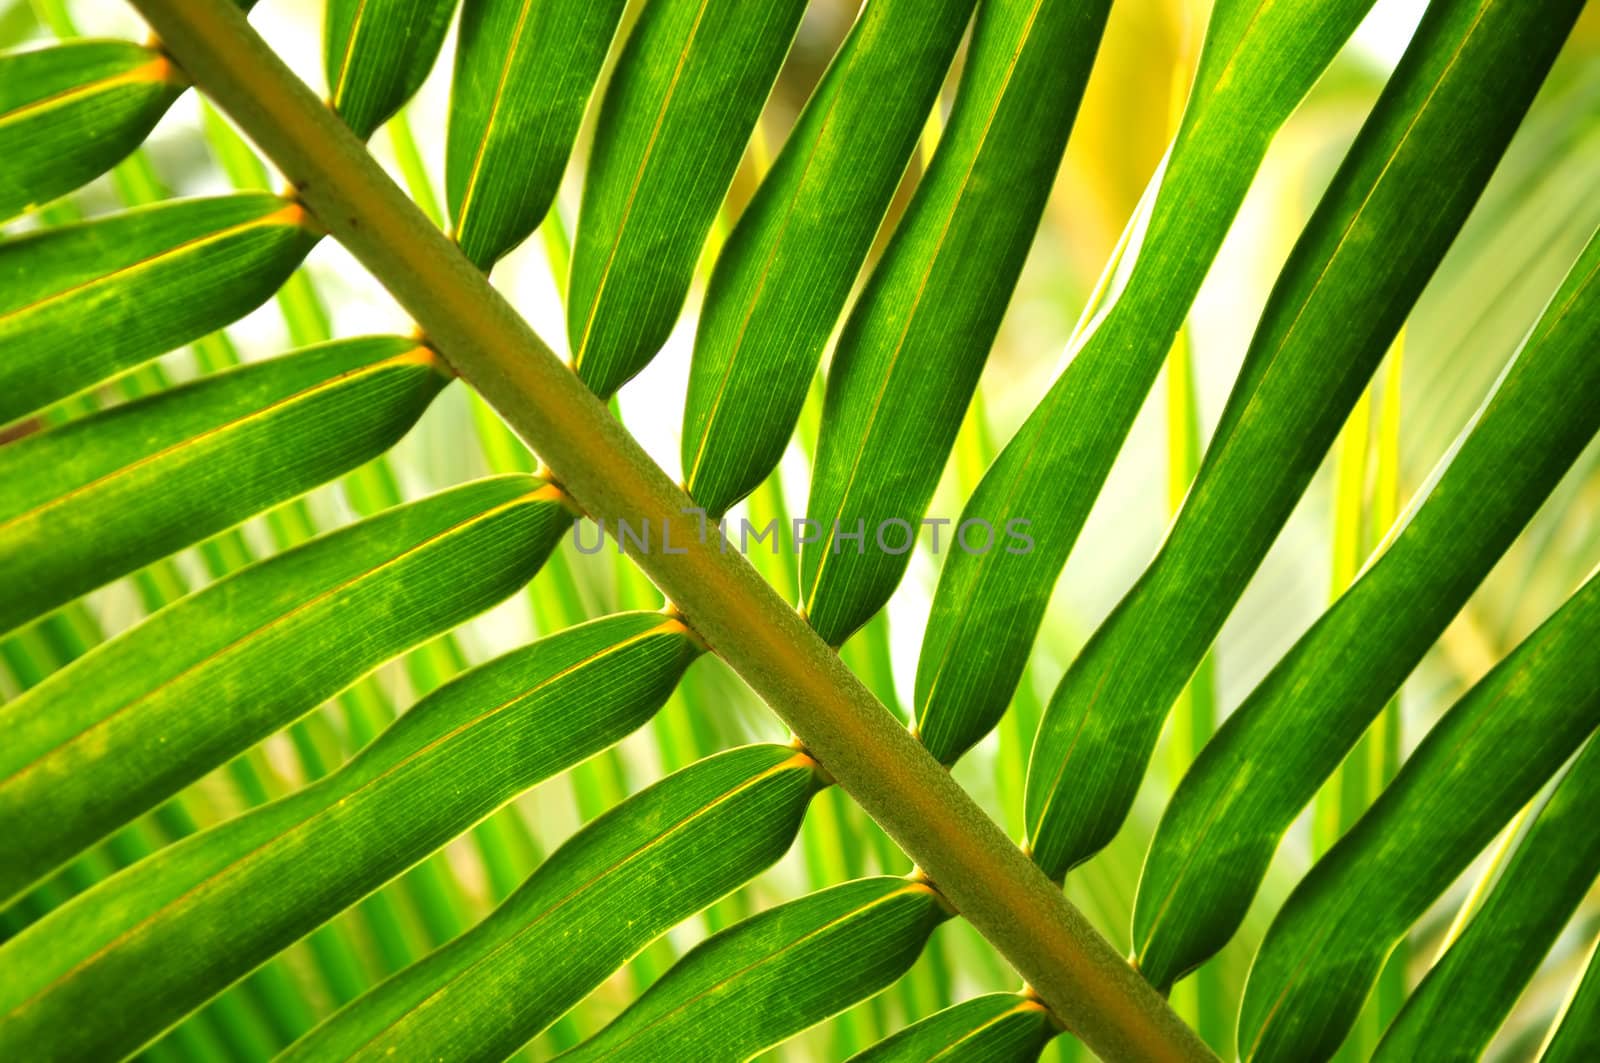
{"x": 98, "y": 497}
{"x": 377, "y": 53}
{"x": 83, "y": 302}
{"x": 102, "y": 975}
{"x": 71, "y": 111}
{"x": 785, "y": 273}
{"x": 131, "y": 723}
{"x": 1482, "y": 762}
{"x": 1258, "y": 62}
{"x": 775, "y": 974}
{"x": 688, "y": 89}
{"x": 524, "y": 73}
{"x": 649, "y": 863}
{"x": 1223, "y": 824}
{"x": 1575, "y": 1038}
{"x": 1419, "y": 163}
{"x": 915, "y": 343}
{"x": 1461, "y": 1002}
{"x": 997, "y": 1028}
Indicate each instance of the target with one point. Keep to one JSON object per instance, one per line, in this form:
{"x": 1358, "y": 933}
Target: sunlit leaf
{"x": 998, "y": 1028}
{"x": 377, "y": 53}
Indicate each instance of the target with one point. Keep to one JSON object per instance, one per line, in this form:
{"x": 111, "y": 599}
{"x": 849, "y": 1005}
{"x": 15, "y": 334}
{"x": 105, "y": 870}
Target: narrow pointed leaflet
{"x": 997, "y": 1028}
{"x": 1258, "y": 62}
{"x": 156, "y": 708}
{"x": 1217, "y": 836}
{"x": 99, "y": 497}
{"x": 916, "y": 341}
{"x": 102, "y": 975}
{"x": 377, "y": 53}
{"x": 784, "y": 275}
{"x": 634, "y": 873}
{"x": 1418, "y": 165}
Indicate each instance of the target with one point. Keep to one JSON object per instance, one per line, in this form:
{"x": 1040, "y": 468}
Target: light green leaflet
{"x": 632, "y": 874}
{"x": 100, "y": 976}
{"x": 785, "y": 273}
{"x": 1259, "y": 60}
{"x": 686, "y": 93}
{"x": 774, "y": 974}
{"x": 997, "y": 1028}
{"x": 151, "y": 711}
{"x": 915, "y": 343}
{"x": 377, "y": 53}
{"x": 524, "y": 72}
{"x": 1266, "y": 763}
{"x": 1482, "y": 762}
{"x": 1576, "y": 1035}
{"x": 70, "y": 112}
{"x": 83, "y": 302}
{"x": 1417, "y": 167}
{"x": 101, "y": 496}
{"x": 1460, "y": 1004}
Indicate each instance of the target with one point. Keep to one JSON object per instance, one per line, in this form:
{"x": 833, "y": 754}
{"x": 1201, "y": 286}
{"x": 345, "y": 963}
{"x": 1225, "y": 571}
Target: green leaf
{"x": 1228, "y": 815}
{"x": 686, "y": 93}
{"x": 1576, "y": 1035}
{"x": 785, "y": 273}
{"x": 997, "y": 1028}
{"x": 1466, "y": 995}
{"x": 83, "y": 302}
{"x": 1417, "y": 167}
{"x": 101, "y": 496}
{"x": 775, "y": 974}
{"x": 377, "y": 53}
{"x": 202, "y": 680}
{"x": 1258, "y": 62}
{"x": 71, "y": 111}
{"x": 524, "y": 72}
{"x": 915, "y": 343}
{"x": 102, "y": 975}
{"x": 632, "y": 874}
{"x": 1485, "y": 759}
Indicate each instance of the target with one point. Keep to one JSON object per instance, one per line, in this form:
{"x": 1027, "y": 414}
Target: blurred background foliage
{"x": 1526, "y": 231}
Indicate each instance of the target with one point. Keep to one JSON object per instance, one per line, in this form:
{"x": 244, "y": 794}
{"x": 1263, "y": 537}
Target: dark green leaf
{"x": 915, "y": 343}
{"x": 83, "y": 302}
{"x": 1467, "y": 994}
{"x": 775, "y": 974}
{"x": 69, "y": 112}
{"x": 102, "y": 975}
{"x": 524, "y": 72}
{"x": 1576, "y": 1035}
{"x": 98, "y": 497}
{"x": 998, "y": 1028}
{"x": 1482, "y": 762}
{"x": 787, "y": 269}
{"x": 631, "y": 875}
{"x": 377, "y": 53}
{"x": 1266, "y": 763}
{"x": 134, "y": 721}
{"x": 1416, "y": 168}
{"x": 685, "y": 96}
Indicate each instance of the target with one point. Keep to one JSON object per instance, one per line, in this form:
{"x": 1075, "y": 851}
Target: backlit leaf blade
{"x": 102, "y": 975}
{"x": 377, "y": 53}
{"x": 83, "y": 302}
{"x": 1482, "y": 762}
{"x": 1467, "y": 994}
{"x": 1265, "y": 764}
{"x": 96, "y": 498}
{"x": 1418, "y": 166}
{"x": 1257, "y": 64}
{"x": 632, "y": 874}
{"x": 71, "y": 111}
{"x": 775, "y": 974}
{"x": 144, "y": 714}
{"x": 788, "y": 267}
{"x": 915, "y": 343}
{"x": 524, "y": 73}
{"x": 686, "y": 93}
{"x": 997, "y": 1028}
{"x": 1575, "y": 1038}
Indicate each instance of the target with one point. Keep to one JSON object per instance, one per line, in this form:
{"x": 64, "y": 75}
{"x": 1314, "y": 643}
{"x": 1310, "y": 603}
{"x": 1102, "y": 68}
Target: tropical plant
{"x": 220, "y": 835}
